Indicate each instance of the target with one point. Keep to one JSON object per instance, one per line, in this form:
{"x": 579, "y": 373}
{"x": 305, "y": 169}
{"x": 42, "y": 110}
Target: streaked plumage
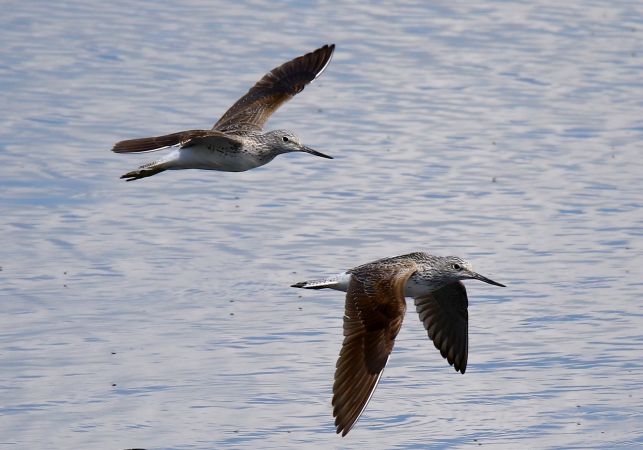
{"x": 374, "y": 311}
{"x": 236, "y": 142}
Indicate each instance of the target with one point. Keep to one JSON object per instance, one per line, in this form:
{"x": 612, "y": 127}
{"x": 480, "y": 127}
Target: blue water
{"x": 158, "y": 313}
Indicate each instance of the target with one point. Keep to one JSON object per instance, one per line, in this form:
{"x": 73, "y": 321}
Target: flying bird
{"x": 237, "y": 142}
{"x": 375, "y": 307}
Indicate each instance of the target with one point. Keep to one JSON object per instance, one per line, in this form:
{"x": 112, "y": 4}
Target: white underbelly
{"x": 225, "y": 159}
{"x": 415, "y": 289}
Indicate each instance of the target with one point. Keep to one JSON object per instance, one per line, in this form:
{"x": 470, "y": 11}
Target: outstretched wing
{"x": 253, "y": 110}
{"x": 373, "y": 317}
{"x": 446, "y": 319}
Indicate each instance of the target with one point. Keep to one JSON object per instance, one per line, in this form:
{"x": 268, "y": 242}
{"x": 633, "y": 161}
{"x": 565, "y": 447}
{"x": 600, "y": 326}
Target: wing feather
{"x": 252, "y": 111}
{"x": 374, "y": 311}
{"x": 446, "y": 319}
{"x": 184, "y": 138}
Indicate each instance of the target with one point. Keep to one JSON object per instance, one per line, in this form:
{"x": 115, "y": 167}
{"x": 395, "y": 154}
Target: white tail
{"x": 339, "y": 282}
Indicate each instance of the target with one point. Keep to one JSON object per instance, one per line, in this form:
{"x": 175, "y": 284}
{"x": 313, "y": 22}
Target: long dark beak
{"x": 314, "y": 152}
{"x": 477, "y": 276}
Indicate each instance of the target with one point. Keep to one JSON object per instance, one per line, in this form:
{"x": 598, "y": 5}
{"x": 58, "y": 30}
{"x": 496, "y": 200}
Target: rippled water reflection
{"x": 157, "y": 314}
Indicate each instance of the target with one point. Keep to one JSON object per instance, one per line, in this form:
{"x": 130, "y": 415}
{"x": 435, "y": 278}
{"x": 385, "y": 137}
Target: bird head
{"x": 287, "y": 141}
{"x": 457, "y": 268}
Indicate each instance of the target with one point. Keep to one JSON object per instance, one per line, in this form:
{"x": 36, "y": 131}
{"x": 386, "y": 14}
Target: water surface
{"x": 157, "y": 313}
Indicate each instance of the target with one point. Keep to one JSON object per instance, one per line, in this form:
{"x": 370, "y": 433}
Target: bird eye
{"x": 457, "y": 266}
{"x": 285, "y": 138}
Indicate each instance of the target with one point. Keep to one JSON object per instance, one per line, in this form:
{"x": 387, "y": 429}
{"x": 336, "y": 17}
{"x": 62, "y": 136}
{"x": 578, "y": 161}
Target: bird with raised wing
{"x": 375, "y": 307}
{"x": 237, "y": 142}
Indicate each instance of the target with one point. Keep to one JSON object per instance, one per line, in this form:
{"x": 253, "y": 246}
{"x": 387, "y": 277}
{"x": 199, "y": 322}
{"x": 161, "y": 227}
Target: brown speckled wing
{"x": 214, "y": 139}
{"x": 185, "y": 138}
{"x": 253, "y": 110}
{"x": 375, "y": 307}
{"x": 446, "y": 319}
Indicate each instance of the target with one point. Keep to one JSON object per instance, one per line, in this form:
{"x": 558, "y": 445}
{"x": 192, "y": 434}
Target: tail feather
{"x": 339, "y": 282}
{"x": 150, "y": 144}
{"x": 317, "y": 284}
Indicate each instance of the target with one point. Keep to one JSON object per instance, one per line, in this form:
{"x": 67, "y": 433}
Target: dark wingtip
{"x": 301, "y": 284}
{"x": 323, "y": 56}
{"x": 344, "y": 429}
{"x": 329, "y": 47}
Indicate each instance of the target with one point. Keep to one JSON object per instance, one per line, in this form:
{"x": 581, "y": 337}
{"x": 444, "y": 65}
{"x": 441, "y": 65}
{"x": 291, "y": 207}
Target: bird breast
{"x": 226, "y": 158}
{"x": 416, "y": 287}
